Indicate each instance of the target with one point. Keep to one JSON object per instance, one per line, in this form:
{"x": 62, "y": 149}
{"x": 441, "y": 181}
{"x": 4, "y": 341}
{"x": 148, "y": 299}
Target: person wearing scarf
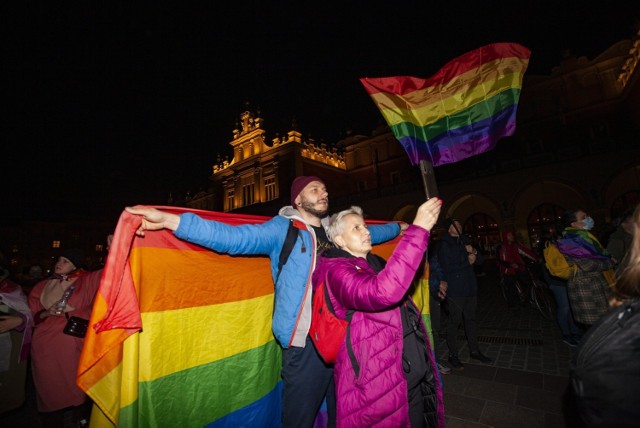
{"x": 588, "y": 287}
{"x": 54, "y": 354}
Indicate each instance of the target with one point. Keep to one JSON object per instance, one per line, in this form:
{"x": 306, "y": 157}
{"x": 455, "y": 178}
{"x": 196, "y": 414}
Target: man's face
{"x": 314, "y": 199}
{"x": 455, "y": 228}
{"x": 355, "y": 237}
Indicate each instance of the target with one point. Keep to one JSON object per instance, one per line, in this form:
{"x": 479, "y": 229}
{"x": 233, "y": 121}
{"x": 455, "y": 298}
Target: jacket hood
{"x": 291, "y": 213}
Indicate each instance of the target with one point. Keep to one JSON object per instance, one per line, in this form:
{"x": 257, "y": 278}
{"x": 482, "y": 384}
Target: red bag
{"x": 327, "y": 331}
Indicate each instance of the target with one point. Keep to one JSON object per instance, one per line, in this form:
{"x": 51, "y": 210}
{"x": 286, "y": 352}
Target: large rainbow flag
{"x": 461, "y": 111}
{"x": 181, "y": 335}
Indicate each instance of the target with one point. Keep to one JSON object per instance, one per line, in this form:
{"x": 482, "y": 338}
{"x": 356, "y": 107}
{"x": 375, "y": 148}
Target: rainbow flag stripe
{"x": 461, "y": 111}
{"x": 181, "y": 335}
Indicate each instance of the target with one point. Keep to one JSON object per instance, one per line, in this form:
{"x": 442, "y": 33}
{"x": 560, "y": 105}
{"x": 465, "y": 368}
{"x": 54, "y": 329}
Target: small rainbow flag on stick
{"x": 461, "y": 111}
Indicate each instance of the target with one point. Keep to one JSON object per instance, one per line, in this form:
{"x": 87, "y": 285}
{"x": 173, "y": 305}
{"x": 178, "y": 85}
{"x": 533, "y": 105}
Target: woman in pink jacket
{"x": 385, "y": 373}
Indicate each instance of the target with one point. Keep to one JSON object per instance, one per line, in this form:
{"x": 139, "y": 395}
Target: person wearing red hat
{"x": 306, "y": 379}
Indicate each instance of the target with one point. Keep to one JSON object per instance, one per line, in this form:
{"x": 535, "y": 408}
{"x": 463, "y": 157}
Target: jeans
{"x": 564, "y": 316}
{"x": 306, "y": 380}
{"x": 568, "y": 327}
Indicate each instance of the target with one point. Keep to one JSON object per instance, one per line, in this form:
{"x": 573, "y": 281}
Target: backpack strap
{"x": 289, "y": 242}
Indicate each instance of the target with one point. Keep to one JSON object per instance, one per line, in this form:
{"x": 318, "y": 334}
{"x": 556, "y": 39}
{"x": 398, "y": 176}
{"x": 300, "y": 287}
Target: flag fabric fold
{"x": 459, "y": 112}
{"x": 181, "y": 335}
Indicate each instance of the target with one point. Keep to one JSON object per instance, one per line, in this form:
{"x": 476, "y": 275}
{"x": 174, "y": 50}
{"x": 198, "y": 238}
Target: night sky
{"x": 108, "y": 106}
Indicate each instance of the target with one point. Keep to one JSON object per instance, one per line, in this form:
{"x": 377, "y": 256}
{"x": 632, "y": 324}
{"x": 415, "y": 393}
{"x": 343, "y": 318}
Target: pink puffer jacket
{"x": 377, "y": 396}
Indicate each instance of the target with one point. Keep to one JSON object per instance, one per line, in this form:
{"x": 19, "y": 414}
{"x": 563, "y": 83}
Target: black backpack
{"x": 605, "y": 371}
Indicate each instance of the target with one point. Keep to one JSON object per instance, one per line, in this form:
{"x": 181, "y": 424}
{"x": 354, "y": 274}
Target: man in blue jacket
{"x": 457, "y": 257}
{"x": 306, "y": 379}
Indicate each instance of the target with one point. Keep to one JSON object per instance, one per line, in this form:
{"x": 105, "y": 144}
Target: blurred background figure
{"x": 605, "y": 372}
{"x": 620, "y": 241}
{"x": 15, "y": 339}
{"x": 511, "y": 261}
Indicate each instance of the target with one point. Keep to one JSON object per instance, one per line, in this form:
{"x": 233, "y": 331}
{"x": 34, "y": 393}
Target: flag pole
{"x": 428, "y": 179}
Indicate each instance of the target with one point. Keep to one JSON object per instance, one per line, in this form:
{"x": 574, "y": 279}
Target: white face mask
{"x": 588, "y": 223}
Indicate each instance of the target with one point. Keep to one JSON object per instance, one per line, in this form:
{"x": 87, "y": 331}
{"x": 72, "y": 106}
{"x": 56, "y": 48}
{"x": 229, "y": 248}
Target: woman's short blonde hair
{"x": 336, "y": 224}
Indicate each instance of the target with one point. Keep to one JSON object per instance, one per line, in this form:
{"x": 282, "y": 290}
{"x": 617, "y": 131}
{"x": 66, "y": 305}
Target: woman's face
{"x": 63, "y": 266}
{"x": 579, "y": 223}
{"x": 355, "y": 237}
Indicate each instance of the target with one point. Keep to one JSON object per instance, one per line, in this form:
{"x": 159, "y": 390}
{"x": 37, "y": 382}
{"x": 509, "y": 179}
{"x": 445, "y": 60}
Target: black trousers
{"x": 462, "y": 308}
{"x": 306, "y": 381}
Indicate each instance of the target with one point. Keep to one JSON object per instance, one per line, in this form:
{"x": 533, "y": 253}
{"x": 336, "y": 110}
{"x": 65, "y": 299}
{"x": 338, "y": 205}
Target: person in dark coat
{"x": 457, "y": 257}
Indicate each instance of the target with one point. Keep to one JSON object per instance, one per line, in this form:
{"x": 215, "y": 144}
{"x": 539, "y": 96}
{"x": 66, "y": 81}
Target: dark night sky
{"x": 108, "y": 106}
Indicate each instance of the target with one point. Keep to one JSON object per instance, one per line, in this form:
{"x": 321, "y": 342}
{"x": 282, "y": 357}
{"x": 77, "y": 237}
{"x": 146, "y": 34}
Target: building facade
{"x": 577, "y": 145}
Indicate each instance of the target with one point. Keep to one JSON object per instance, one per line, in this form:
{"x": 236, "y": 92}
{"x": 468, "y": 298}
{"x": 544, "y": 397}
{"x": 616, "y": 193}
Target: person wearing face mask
{"x": 588, "y": 287}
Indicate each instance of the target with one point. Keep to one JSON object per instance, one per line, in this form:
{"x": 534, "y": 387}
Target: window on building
{"x": 248, "y": 192}
{"x": 270, "y": 190}
{"x": 544, "y": 220}
{"x": 231, "y": 200}
{"x": 483, "y": 231}
{"x": 55, "y": 244}
{"x": 99, "y": 248}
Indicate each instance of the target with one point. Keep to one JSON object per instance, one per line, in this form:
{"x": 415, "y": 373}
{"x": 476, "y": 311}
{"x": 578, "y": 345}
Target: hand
{"x": 442, "y": 290}
{"x": 9, "y": 322}
{"x": 428, "y": 213}
{"x": 55, "y": 312}
{"x": 403, "y": 226}
{"x": 154, "y": 219}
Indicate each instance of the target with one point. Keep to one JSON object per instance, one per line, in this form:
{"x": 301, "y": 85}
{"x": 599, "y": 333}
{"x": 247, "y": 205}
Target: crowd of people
{"x": 388, "y": 345}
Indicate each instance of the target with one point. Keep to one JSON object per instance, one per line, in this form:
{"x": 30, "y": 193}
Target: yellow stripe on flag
{"x": 187, "y": 338}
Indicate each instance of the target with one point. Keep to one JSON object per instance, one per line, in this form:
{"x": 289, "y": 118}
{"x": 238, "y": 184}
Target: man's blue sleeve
{"x": 384, "y": 232}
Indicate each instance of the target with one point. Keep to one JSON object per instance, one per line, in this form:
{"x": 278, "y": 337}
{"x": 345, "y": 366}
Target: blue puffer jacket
{"x": 292, "y": 308}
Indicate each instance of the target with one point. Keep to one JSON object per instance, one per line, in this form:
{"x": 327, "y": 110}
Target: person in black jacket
{"x": 605, "y": 372}
{"x": 457, "y": 257}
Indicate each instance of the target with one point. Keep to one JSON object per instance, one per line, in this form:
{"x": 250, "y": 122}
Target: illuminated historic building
{"x": 576, "y": 145}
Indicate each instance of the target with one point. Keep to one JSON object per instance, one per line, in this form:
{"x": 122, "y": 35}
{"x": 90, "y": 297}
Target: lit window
{"x": 248, "y": 194}
{"x": 231, "y": 204}
{"x": 55, "y": 244}
{"x": 270, "y": 188}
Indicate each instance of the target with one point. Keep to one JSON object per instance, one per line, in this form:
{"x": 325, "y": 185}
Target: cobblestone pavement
{"x": 526, "y": 384}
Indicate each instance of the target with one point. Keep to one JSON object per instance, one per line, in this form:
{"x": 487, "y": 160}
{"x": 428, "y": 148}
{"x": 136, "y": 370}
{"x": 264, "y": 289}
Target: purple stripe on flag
{"x": 461, "y": 143}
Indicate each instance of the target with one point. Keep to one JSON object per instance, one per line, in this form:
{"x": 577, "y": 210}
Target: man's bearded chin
{"x": 308, "y": 207}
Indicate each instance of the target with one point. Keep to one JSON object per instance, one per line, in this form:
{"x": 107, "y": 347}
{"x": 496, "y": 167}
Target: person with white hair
{"x": 385, "y": 372}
